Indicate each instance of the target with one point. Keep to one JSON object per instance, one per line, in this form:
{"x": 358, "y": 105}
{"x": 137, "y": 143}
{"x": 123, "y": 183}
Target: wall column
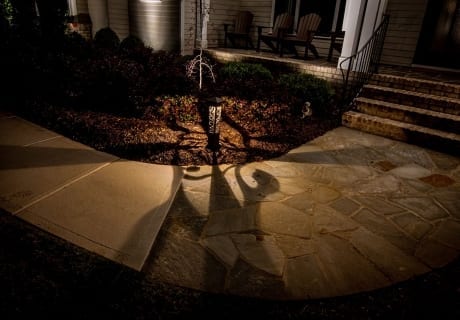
{"x": 361, "y": 18}
{"x": 98, "y": 11}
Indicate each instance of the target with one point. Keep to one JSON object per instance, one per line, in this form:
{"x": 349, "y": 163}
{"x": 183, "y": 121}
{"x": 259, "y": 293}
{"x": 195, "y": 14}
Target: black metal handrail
{"x": 363, "y": 64}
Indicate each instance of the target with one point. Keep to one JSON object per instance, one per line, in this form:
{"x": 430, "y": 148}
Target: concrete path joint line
{"x": 83, "y": 236}
{"x": 40, "y": 141}
{"x": 49, "y": 194}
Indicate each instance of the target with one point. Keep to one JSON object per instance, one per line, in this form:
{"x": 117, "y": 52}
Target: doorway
{"x": 439, "y": 42}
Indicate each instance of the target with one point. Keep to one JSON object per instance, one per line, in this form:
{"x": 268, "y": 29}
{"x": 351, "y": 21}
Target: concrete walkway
{"x": 345, "y": 213}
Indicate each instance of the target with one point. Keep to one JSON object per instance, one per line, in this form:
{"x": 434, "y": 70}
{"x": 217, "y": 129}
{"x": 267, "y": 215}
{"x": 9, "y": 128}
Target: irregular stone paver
{"x": 378, "y": 205}
{"x": 412, "y": 224}
{"x": 390, "y": 260}
{"x": 187, "y": 226}
{"x": 341, "y": 263}
{"x": 187, "y": 263}
{"x": 402, "y": 153}
{"x": 444, "y": 161}
{"x": 384, "y": 228}
{"x": 281, "y": 219}
{"x": 294, "y": 247}
{"x": 204, "y": 203}
{"x": 435, "y": 254}
{"x": 345, "y": 206}
{"x": 449, "y": 199}
{"x": 448, "y": 233}
{"x": 327, "y": 220}
{"x": 383, "y": 184}
{"x": 301, "y": 201}
{"x": 438, "y": 180}
{"x": 304, "y": 278}
{"x": 223, "y": 248}
{"x": 418, "y": 185}
{"x": 423, "y": 206}
{"x": 384, "y": 165}
{"x": 232, "y": 220}
{"x": 260, "y": 252}
{"x": 245, "y": 280}
{"x": 410, "y": 171}
{"x": 324, "y": 194}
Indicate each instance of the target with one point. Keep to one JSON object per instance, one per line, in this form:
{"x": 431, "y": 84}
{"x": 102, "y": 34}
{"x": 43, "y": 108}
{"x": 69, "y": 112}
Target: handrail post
{"x": 363, "y": 64}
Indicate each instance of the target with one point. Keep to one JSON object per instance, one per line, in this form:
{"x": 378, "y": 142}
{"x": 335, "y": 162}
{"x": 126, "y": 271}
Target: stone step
{"x": 444, "y": 89}
{"x": 411, "y": 98}
{"x": 410, "y": 133}
{"x": 407, "y": 114}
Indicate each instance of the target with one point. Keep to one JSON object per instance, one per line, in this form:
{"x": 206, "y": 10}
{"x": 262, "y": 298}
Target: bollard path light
{"x": 214, "y": 118}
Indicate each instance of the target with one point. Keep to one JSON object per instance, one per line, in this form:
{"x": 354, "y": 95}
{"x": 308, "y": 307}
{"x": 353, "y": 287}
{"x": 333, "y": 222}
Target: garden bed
{"x": 140, "y": 104}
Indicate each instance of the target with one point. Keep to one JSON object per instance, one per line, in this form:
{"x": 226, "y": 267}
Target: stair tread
{"x": 440, "y": 133}
{"x": 402, "y": 107}
{"x": 412, "y": 93}
{"x": 419, "y": 80}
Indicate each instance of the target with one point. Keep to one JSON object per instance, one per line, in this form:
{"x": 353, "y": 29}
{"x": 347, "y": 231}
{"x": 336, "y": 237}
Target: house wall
{"x": 222, "y": 11}
{"x": 262, "y": 10}
{"x": 118, "y": 17}
{"x": 156, "y": 23}
{"x": 406, "y": 19}
{"x": 188, "y": 26}
{"x": 82, "y": 6}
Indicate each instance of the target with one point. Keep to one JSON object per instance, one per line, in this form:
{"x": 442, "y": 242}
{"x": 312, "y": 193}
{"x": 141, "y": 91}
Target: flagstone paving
{"x": 344, "y": 213}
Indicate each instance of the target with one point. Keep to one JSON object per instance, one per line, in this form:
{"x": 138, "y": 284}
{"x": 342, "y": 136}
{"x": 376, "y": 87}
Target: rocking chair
{"x": 307, "y": 27}
{"x": 283, "y": 23}
{"x": 241, "y": 29}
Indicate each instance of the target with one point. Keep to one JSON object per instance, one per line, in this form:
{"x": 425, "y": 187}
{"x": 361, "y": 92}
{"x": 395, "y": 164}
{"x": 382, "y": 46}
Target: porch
{"x": 321, "y": 67}
{"x": 403, "y": 103}
{"x": 329, "y": 70}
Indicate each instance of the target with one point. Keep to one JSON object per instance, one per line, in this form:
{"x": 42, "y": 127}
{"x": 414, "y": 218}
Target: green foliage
{"x": 309, "y": 88}
{"x": 6, "y": 10}
{"x": 106, "y": 38}
{"x": 131, "y": 43}
{"x": 239, "y": 71}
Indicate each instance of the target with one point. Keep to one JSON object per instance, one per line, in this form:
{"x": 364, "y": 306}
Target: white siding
{"x": 82, "y": 6}
{"x": 406, "y": 18}
{"x": 118, "y": 17}
{"x": 189, "y": 26}
{"x": 222, "y": 11}
{"x": 262, "y": 10}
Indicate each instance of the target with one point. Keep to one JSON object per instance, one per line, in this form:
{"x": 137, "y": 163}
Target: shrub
{"x": 134, "y": 48}
{"x": 240, "y": 71}
{"x": 247, "y": 80}
{"x": 76, "y": 46}
{"x": 166, "y": 72}
{"x": 308, "y": 88}
{"x": 131, "y": 43}
{"x": 111, "y": 84}
{"x": 106, "y": 38}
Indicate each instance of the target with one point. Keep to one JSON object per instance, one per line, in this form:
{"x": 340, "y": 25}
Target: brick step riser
{"x": 406, "y": 116}
{"x": 402, "y": 134}
{"x": 413, "y": 100}
{"x": 438, "y": 89}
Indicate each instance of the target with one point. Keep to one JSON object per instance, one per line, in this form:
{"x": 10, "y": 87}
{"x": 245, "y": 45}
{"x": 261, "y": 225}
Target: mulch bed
{"x": 248, "y": 132}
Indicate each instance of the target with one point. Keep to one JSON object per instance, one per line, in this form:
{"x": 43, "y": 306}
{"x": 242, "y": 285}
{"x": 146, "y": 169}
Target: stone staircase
{"x": 416, "y": 111}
